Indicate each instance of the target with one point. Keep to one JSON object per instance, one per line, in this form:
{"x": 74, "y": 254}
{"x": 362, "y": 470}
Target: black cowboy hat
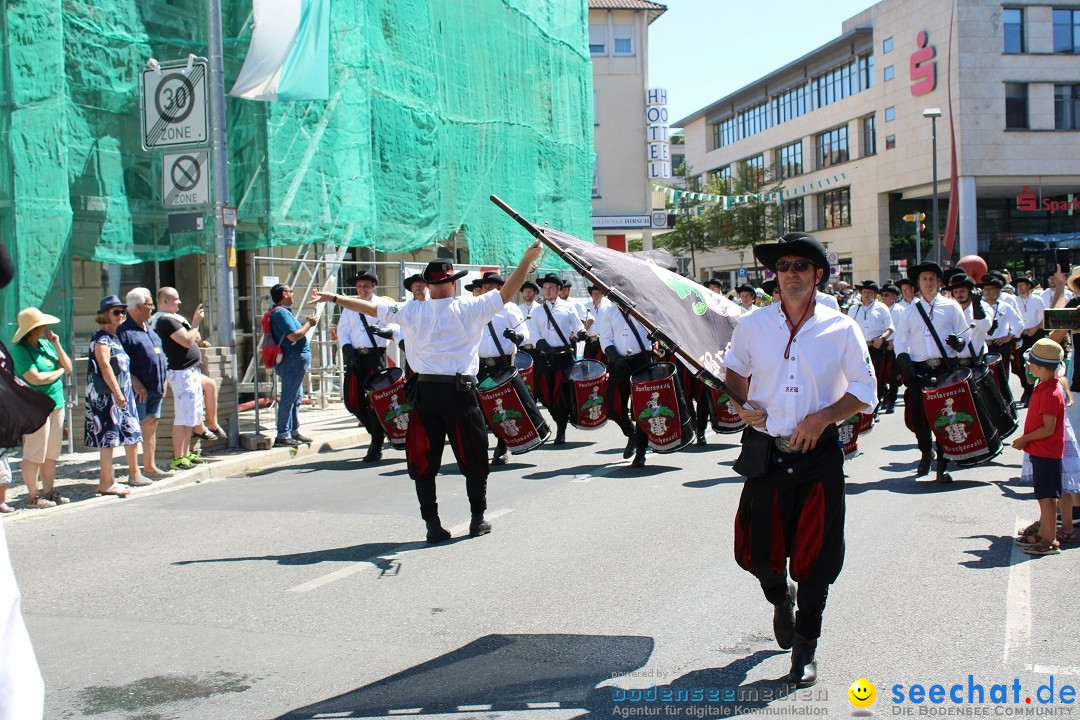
{"x": 365, "y": 275}
{"x": 439, "y": 272}
{"x": 769, "y": 286}
{"x": 948, "y": 273}
{"x": 590, "y": 288}
{"x": 473, "y": 284}
{"x": 1023, "y": 279}
{"x": 493, "y": 278}
{"x": 714, "y": 280}
{"x": 905, "y": 281}
{"x": 868, "y": 285}
{"x": 961, "y": 280}
{"x": 549, "y": 278}
{"x": 914, "y": 272}
{"x": 412, "y": 279}
{"x": 799, "y": 244}
{"x": 567, "y": 284}
{"x": 744, "y": 288}
{"x": 530, "y": 285}
{"x": 992, "y": 279}
{"x": 890, "y": 288}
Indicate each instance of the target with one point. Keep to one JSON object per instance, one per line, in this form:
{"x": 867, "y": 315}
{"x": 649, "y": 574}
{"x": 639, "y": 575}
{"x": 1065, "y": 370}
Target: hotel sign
{"x": 621, "y": 221}
{"x": 658, "y": 150}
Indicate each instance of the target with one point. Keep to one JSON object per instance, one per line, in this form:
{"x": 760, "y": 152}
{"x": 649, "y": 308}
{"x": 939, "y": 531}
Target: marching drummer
{"x": 747, "y": 296}
{"x": 628, "y": 349}
{"x": 810, "y": 370}
{"x": 363, "y": 349}
{"x": 715, "y": 284}
{"x": 1005, "y": 322}
{"x": 922, "y": 353}
{"x": 889, "y": 296}
{"x": 1031, "y": 309}
{"x": 877, "y": 327}
{"x": 908, "y": 289}
{"x": 415, "y": 284}
{"x": 557, "y": 326}
{"x": 529, "y": 291}
{"x": 498, "y": 343}
{"x": 594, "y": 349}
{"x": 977, "y": 315}
{"x": 447, "y": 331}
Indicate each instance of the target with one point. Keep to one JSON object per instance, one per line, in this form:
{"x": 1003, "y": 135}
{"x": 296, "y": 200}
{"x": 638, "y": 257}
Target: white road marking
{"x": 473, "y": 708}
{"x": 542, "y": 705}
{"x": 1051, "y": 670}
{"x": 396, "y": 553}
{"x": 1018, "y": 604}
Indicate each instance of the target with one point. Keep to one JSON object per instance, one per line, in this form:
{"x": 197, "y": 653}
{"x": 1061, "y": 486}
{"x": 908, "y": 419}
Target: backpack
{"x": 269, "y": 349}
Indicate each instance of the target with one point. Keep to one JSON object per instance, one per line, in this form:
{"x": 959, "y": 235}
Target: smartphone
{"x": 1054, "y": 257}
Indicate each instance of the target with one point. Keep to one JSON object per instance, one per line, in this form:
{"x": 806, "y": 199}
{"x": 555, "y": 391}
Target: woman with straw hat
{"x": 41, "y": 362}
{"x": 111, "y": 420}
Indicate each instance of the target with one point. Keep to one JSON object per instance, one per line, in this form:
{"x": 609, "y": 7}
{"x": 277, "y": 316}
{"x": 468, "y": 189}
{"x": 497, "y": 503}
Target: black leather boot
{"x": 479, "y": 526}
{"x": 499, "y": 458}
{"x": 924, "y": 465}
{"x": 639, "y": 459}
{"x": 943, "y": 475}
{"x": 803, "y": 664}
{"x": 628, "y": 451}
{"x": 436, "y": 533}
{"x": 783, "y": 619}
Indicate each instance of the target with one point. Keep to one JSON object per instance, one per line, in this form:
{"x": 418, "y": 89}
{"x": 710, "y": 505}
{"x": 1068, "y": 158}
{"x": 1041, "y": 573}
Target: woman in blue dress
{"x": 110, "y": 400}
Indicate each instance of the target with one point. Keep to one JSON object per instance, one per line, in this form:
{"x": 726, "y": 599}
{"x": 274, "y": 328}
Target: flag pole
{"x": 584, "y": 269}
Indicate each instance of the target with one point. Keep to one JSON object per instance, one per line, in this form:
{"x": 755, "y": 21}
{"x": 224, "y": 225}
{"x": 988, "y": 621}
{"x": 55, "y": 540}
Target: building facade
{"x": 622, "y": 197}
{"x": 848, "y": 131}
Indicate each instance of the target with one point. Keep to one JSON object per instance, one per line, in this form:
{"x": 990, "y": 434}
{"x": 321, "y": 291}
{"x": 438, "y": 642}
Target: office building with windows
{"x": 848, "y": 130}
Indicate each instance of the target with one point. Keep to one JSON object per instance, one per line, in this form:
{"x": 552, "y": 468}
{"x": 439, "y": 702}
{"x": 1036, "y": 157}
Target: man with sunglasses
{"x": 810, "y": 370}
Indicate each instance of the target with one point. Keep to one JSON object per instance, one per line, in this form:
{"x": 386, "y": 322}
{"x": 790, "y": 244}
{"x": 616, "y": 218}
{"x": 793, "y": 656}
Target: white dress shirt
{"x": 444, "y": 334}
{"x": 1048, "y": 296}
{"x": 22, "y": 692}
{"x": 827, "y": 300}
{"x": 894, "y": 314}
{"x": 827, "y": 359}
{"x": 874, "y": 319}
{"x": 1011, "y": 300}
{"x": 1031, "y": 309}
{"x": 528, "y": 311}
{"x": 509, "y": 319}
{"x": 914, "y": 337}
{"x": 976, "y": 336}
{"x": 566, "y": 318}
{"x": 614, "y": 328}
{"x": 350, "y": 329}
{"x": 1009, "y": 322}
{"x": 595, "y": 311}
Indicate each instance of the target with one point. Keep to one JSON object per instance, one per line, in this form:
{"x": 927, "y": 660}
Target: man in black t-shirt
{"x": 180, "y": 341}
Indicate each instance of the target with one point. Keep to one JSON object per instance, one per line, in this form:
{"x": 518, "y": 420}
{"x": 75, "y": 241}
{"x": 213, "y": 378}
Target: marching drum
{"x": 1001, "y": 375}
{"x": 1002, "y": 414}
{"x": 658, "y": 407}
{"x": 586, "y": 383}
{"x": 511, "y": 412}
{"x": 386, "y": 392}
{"x": 727, "y": 417}
{"x": 849, "y": 432}
{"x": 960, "y": 419}
{"x": 524, "y": 363}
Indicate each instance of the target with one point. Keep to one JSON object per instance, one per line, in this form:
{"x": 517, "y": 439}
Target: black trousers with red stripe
{"x": 796, "y": 510}
{"x": 550, "y": 377}
{"x": 356, "y": 400}
{"x": 618, "y": 396}
{"x": 441, "y": 411}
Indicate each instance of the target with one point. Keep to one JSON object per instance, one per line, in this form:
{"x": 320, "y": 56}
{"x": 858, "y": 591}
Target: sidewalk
{"x": 77, "y": 473}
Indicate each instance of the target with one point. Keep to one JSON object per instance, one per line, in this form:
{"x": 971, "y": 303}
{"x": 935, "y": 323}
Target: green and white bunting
{"x": 729, "y": 201}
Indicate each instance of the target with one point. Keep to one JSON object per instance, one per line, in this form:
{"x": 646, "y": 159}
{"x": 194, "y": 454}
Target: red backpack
{"x": 268, "y": 348}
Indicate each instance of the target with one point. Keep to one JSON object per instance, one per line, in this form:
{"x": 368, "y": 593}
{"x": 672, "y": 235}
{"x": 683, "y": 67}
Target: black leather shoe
{"x": 943, "y": 475}
{"x": 803, "y": 664}
{"x": 628, "y": 451}
{"x": 889, "y": 409}
{"x": 479, "y": 526}
{"x": 301, "y": 438}
{"x": 924, "y": 466}
{"x": 639, "y": 460}
{"x": 287, "y": 442}
{"x": 783, "y": 619}
{"x": 372, "y": 456}
{"x": 560, "y": 439}
{"x": 701, "y": 439}
{"x": 436, "y": 533}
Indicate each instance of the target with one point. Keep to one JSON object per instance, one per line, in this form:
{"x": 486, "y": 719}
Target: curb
{"x": 231, "y": 464}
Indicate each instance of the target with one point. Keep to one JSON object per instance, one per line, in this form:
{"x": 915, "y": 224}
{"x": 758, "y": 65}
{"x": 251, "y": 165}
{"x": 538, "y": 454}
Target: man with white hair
{"x": 148, "y": 370}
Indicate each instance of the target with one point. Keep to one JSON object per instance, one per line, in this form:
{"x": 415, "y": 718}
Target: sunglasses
{"x": 796, "y": 265}
{"x": 117, "y": 311}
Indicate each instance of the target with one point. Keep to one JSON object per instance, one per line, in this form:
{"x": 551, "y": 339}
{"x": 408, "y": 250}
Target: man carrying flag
{"x": 810, "y": 369}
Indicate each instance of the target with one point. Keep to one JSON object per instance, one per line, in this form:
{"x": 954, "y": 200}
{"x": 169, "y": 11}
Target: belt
{"x": 930, "y": 362}
{"x": 783, "y": 442}
{"x": 444, "y": 379}
{"x": 369, "y": 350}
{"x": 493, "y": 361}
{"x": 562, "y": 351}
{"x": 966, "y": 362}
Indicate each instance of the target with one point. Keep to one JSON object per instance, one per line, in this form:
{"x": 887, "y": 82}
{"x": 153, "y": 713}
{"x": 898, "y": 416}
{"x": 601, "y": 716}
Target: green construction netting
{"x": 435, "y": 104}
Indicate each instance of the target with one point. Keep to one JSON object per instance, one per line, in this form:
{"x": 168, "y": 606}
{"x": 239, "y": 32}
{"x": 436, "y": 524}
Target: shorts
{"x": 44, "y": 443}
{"x": 189, "y": 407}
{"x": 1046, "y": 476}
{"x": 150, "y": 408}
{"x": 5, "y": 471}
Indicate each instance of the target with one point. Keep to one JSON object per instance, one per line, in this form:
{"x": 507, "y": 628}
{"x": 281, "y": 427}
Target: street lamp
{"x": 934, "y": 114}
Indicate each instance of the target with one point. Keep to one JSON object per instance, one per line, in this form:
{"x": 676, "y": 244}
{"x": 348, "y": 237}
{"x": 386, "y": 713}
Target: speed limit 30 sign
{"x": 174, "y": 105}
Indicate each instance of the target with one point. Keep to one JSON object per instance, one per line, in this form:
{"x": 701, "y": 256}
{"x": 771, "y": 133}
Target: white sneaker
{"x": 139, "y": 480}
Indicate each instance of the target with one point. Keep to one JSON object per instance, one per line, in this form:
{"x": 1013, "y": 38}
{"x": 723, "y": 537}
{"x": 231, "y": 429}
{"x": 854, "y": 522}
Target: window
{"x": 1016, "y": 106}
{"x": 597, "y": 39}
{"x": 1067, "y": 31}
{"x": 832, "y": 147}
{"x": 890, "y": 142}
{"x": 789, "y": 105}
{"x": 596, "y": 178}
{"x": 624, "y": 40}
{"x": 753, "y": 120}
{"x": 1067, "y": 107}
{"x": 754, "y": 168}
{"x": 834, "y": 208}
{"x": 886, "y": 45}
{"x": 848, "y": 79}
{"x": 793, "y": 216}
{"x": 724, "y": 133}
{"x": 789, "y": 160}
{"x": 678, "y": 164}
{"x": 1013, "y": 21}
{"x": 722, "y": 176}
{"x": 887, "y": 73}
{"x": 869, "y": 135}
{"x": 890, "y": 113}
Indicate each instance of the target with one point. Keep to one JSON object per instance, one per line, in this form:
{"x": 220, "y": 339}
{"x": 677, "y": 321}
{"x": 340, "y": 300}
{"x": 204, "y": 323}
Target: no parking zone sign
{"x": 184, "y": 179}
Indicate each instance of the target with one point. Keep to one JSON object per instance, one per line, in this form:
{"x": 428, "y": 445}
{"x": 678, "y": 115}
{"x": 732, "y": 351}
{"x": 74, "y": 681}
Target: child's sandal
{"x": 1044, "y": 548}
{"x": 1029, "y": 539}
{"x": 1066, "y": 537}
{"x": 1032, "y": 529}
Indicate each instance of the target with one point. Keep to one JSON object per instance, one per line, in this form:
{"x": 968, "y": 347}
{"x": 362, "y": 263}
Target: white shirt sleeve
{"x": 22, "y": 691}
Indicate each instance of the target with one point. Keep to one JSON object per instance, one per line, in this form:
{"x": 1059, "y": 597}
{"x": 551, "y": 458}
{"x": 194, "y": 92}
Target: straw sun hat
{"x": 29, "y": 319}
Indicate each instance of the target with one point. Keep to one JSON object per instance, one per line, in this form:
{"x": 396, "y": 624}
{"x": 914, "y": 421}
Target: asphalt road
{"x": 304, "y": 592}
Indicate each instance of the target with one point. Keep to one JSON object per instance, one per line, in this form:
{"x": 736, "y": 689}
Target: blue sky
{"x": 702, "y": 50}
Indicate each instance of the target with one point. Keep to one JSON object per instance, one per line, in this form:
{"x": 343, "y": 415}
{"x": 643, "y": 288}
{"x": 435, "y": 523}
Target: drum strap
{"x": 933, "y": 330}
{"x": 633, "y": 329}
{"x": 370, "y": 334}
{"x": 502, "y": 353}
{"x": 551, "y": 319}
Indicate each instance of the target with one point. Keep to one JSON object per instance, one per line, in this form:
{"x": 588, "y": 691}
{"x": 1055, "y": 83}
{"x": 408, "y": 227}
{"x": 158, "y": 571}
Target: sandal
{"x": 1066, "y": 537}
{"x": 1044, "y": 548}
{"x": 1029, "y": 539}
{"x": 6, "y": 509}
{"x": 40, "y": 503}
{"x": 208, "y": 436}
{"x": 57, "y": 498}
{"x": 116, "y": 490}
{"x": 1032, "y": 529}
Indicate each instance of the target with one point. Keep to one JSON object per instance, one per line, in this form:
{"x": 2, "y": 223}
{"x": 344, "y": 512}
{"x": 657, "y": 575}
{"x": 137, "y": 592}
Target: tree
{"x": 756, "y": 220}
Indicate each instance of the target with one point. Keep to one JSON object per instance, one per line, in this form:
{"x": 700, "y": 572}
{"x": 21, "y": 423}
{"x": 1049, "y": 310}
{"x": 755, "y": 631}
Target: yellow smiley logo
{"x": 862, "y": 693}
